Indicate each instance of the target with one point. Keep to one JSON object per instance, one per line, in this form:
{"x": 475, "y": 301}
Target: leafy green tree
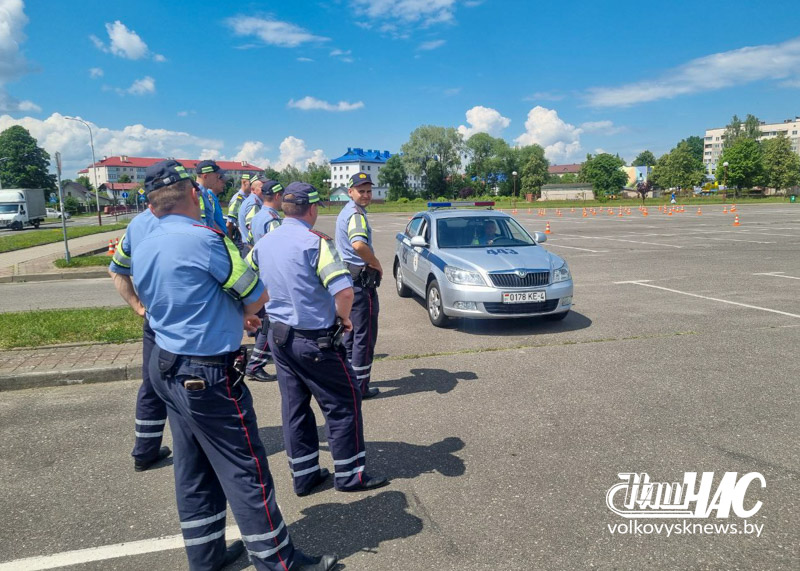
{"x": 271, "y": 174}
{"x": 781, "y": 164}
{"x": 643, "y": 188}
{"x": 534, "y": 172}
{"x": 484, "y": 152}
{"x": 680, "y": 168}
{"x": 85, "y": 182}
{"x": 27, "y": 165}
{"x": 290, "y": 173}
{"x": 316, "y": 175}
{"x": 745, "y": 165}
{"x": 124, "y": 178}
{"x": 605, "y": 173}
{"x": 644, "y": 159}
{"x": 71, "y": 205}
{"x": 433, "y": 153}
{"x": 393, "y": 174}
{"x": 736, "y": 129}
{"x": 695, "y": 145}
{"x": 568, "y": 178}
{"x": 510, "y": 159}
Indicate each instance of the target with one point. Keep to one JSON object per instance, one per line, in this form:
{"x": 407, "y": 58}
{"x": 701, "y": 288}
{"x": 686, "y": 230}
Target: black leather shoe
{"x": 141, "y": 466}
{"x": 371, "y": 392}
{"x": 303, "y": 562}
{"x": 322, "y": 475}
{"x": 232, "y": 553}
{"x": 261, "y": 376}
{"x": 370, "y": 484}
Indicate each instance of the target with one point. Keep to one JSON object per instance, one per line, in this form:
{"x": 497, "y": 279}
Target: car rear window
{"x": 480, "y": 232}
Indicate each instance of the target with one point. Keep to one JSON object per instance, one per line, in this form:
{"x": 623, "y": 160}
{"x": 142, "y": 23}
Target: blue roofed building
{"x": 370, "y": 161}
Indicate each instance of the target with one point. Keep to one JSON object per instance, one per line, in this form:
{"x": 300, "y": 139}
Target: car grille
{"x": 511, "y": 279}
{"x": 519, "y": 308}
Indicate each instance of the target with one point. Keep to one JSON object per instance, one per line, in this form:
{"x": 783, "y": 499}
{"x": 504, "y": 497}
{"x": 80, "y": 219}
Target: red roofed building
{"x": 111, "y": 168}
{"x": 561, "y": 170}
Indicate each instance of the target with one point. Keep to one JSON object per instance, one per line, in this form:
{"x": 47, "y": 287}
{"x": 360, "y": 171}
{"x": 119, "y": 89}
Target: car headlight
{"x": 561, "y": 274}
{"x": 463, "y": 277}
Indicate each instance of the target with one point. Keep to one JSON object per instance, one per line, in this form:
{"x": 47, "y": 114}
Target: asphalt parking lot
{"x": 501, "y": 438}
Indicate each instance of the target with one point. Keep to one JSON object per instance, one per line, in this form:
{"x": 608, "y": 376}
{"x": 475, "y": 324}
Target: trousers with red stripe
{"x": 151, "y": 412}
{"x": 219, "y": 459}
{"x": 360, "y": 342}
{"x": 304, "y": 370}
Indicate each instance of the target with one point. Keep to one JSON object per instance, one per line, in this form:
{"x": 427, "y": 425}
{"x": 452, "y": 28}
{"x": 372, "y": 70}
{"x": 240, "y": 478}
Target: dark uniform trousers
{"x": 360, "y": 342}
{"x": 261, "y": 354}
{"x": 305, "y": 370}
{"x": 218, "y": 456}
{"x": 151, "y": 412}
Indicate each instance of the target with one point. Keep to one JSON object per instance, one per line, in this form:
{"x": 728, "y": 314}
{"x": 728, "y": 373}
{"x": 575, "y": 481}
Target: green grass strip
{"x": 84, "y": 261}
{"x": 50, "y": 236}
{"x": 51, "y": 327}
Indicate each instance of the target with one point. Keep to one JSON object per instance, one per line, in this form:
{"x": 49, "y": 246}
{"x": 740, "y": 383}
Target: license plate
{"x": 523, "y": 296}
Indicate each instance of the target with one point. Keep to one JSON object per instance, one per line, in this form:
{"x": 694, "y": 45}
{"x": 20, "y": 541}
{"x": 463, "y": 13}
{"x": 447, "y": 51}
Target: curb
{"x": 70, "y": 377}
{"x": 52, "y": 276}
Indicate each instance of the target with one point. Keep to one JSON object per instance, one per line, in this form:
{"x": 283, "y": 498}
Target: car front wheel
{"x": 402, "y": 288}
{"x": 435, "y": 305}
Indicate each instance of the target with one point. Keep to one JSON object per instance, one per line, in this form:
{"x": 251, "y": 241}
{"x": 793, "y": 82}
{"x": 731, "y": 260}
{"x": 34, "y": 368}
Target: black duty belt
{"x": 312, "y": 333}
{"x": 224, "y": 359}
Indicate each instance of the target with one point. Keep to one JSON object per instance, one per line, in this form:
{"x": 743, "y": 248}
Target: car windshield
{"x": 480, "y": 232}
{"x": 9, "y": 208}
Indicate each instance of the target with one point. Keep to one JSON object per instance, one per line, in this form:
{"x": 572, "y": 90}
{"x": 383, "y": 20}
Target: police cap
{"x": 164, "y": 173}
{"x": 359, "y": 178}
{"x": 205, "y": 167}
{"x": 300, "y": 193}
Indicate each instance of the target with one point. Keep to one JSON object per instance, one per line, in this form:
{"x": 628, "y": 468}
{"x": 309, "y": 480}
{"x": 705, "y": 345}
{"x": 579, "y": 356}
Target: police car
{"x": 479, "y": 264}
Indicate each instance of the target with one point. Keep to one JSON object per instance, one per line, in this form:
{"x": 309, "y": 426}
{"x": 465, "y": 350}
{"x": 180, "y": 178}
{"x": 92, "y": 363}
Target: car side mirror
{"x": 540, "y": 237}
{"x": 419, "y": 242}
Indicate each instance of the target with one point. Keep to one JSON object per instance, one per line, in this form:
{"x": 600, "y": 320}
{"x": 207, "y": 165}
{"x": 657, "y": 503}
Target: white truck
{"x": 20, "y": 207}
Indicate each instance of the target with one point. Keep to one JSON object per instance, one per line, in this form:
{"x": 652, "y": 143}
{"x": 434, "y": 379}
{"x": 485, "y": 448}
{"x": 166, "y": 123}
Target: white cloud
{"x": 451, "y": 91}
{"x": 124, "y": 43}
{"x": 159, "y": 58}
{"x": 309, "y": 103}
{"x": 561, "y": 140}
{"x": 95, "y": 72}
{"x": 305, "y": 59}
{"x": 186, "y": 113}
{"x": 432, "y": 45}
{"x": 254, "y": 152}
{"x": 342, "y": 55}
{"x": 294, "y": 153}
{"x": 72, "y": 139}
{"x": 12, "y": 63}
{"x": 272, "y": 32}
{"x": 769, "y": 62}
{"x": 484, "y": 120}
{"x": 602, "y": 127}
{"x": 144, "y": 86}
{"x": 425, "y": 12}
{"x": 544, "y": 96}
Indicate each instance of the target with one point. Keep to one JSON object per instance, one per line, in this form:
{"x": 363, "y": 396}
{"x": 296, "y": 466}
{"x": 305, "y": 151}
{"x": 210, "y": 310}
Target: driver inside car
{"x": 487, "y": 236}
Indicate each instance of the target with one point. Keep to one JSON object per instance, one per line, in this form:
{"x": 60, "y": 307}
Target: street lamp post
{"x": 94, "y": 167}
{"x": 725, "y": 182}
{"x": 514, "y": 191}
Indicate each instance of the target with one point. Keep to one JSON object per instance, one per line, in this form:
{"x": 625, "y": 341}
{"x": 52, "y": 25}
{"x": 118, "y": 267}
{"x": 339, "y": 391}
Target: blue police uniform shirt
{"x": 219, "y": 219}
{"x": 139, "y": 227}
{"x": 300, "y": 295}
{"x": 249, "y": 203}
{"x": 207, "y": 208}
{"x": 181, "y": 270}
{"x": 264, "y": 222}
{"x": 352, "y": 226}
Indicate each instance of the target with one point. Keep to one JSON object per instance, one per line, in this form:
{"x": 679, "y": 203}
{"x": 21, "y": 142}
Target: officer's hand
{"x": 140, "y": 310}
{"x": 252, "y": 322}
{"x": 377, "y": 266}
{"x": 348, "y": 325}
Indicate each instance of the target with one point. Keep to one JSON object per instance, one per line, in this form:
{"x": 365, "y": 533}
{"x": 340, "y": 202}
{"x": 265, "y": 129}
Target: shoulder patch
{"x": 320, "y": 234}
{"x": 210, "y": 228}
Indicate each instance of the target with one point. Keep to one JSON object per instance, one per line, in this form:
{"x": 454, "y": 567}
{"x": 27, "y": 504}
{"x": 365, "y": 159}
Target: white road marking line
{"x": 576, "y": 248}
{"x": 645, "y": 284}
{"x": 777, "y": 275}
{"x": 621, "y": 240}
{"x": 105, "y": 552}
{"x": 736, "y": 240}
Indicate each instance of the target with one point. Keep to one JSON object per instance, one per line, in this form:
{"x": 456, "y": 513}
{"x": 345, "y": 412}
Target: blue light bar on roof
{"x": 456, "y": 204}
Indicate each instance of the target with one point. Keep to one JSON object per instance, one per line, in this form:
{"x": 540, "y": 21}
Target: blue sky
{"x": 285, "y": 83}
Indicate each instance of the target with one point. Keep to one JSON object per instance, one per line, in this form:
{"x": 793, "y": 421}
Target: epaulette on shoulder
{"x": 320, "y": 234}
{"x": 210, "y": 228}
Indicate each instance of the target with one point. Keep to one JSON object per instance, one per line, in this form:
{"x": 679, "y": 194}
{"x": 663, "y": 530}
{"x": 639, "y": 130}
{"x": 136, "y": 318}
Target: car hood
{"x": 491, "y": 259}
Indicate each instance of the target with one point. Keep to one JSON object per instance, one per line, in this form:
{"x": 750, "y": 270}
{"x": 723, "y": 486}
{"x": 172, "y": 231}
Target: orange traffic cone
{"x": 736, "y": 221}
{"x": 699, "y": 212}
{"x": 110, "y": 248}
{"x": 547, "y": 229}
{"x": 584, "y": 213}
{"x": 514, "y": 211}
{"x": 644, "y": 212}
{"x": 573, "y": 209}
{"x": 669, "y": 213}
{"x": 733, "y": 208}
{"x": 724, "y": 209}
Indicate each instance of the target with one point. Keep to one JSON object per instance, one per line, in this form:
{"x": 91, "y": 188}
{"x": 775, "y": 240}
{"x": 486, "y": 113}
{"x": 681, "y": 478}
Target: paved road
{"x": 56, "y": 223}
{"x": 501, "y": 438}
{"x": 60, "y": 294}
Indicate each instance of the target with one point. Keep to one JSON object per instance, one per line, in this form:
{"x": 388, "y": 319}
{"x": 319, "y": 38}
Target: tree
{"x": 433, "y": 153}
{"x": 484, "y": 152}
{"x": 745, "y": 166}
{"x": 643, "y": 188}
{"x": 290, "y": 173}
{"x": 781, "y": 164}
{"x": 271, "y": 174}
{"x": 85, "y": 183}
{"x": 644, "y": 159}
{"x": 605, "y": 173}
{"x": 736, "y": 129}
{"x": 27, "y": 165}
{"x": 124, "y": 178}
{"x": 393, "y": 174}
{"x": 316, "y": 175}
{"x": 534, "y": 171}
{"x": 71, "y": 204}
{"x": 695, "y": 145}
{"x": 680, "y": 168}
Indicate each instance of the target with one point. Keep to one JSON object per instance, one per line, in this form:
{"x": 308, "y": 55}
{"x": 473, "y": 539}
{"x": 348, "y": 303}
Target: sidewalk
{"x": 36, "y": 264}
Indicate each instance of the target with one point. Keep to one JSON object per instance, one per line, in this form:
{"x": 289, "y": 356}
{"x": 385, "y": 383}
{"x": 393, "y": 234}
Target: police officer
{"x": 211, "y": 180}
{"x": 250, "y": 207}
{"x": 354, "y": 241}
{"x": 266, "y": 220}
{"x": 197, "y": 307}
{"x": 309, "y": 288}
{"x": 151, "y": 412}
{"x": 233, "y": 210}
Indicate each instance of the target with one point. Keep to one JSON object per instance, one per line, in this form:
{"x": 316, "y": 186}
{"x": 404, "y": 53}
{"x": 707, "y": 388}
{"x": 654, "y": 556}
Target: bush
{"x": 402, "y": 200}
{"x": 71, "y": 205}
